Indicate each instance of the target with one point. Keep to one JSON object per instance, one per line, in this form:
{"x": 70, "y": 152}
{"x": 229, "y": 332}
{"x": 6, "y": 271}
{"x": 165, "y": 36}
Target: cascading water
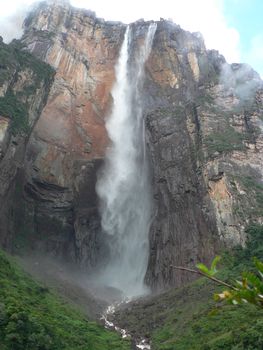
{"x": 124, "y": 186}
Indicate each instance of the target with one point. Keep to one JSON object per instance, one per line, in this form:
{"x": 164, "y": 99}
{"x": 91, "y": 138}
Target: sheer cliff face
{"x": 204, "y": 138}
{"x": 203, "y": 130}
{"x": 24, "y": 87}
{"x": 83, "y": 50}
{"x": 69, "y": 140}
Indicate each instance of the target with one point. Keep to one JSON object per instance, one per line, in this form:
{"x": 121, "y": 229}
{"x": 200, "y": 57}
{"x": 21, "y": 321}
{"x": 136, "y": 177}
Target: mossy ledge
{"x": 15, "y": 62}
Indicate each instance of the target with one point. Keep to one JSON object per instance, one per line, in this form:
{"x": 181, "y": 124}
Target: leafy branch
{"x": 203, "y": 270}
{"x": 247, "y": 290}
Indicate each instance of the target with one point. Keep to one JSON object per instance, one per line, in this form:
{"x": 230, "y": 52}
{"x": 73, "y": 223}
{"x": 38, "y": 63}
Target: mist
{"x": 11, "y": 25}
{"x": 123, "y": 185}
{"x": 241, "y": 79}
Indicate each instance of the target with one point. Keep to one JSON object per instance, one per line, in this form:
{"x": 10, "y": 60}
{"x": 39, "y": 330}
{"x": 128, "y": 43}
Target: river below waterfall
{"x": 142, "y": 344}
{"x": 98, "y": 304}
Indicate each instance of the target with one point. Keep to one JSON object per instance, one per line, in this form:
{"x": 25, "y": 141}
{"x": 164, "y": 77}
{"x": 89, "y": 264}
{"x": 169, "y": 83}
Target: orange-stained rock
{"x": 83, "y": 50}
{"x": 202, "y": 136}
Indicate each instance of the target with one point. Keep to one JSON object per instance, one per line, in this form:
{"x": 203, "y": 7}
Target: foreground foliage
{"x": 223, "y": 326}
{"x": 248, "y": 289}
{"x": 32, "y": 318}
{"x": 189, "y": 319}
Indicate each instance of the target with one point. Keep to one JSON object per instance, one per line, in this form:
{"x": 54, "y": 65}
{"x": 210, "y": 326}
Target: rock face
{"x": 24, "y": 86}
{"x": 204, "y": 136}
{"x": 206, "y": 148}
{"x": 69, "y": 140}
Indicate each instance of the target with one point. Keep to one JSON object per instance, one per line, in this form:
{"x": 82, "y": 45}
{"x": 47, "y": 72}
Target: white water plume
{"x": 124, "y": 184}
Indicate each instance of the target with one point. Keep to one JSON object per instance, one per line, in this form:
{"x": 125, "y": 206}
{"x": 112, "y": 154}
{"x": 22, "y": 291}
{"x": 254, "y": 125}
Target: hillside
{"x": 188, "y": 318}
{"x": 33, "y": 317}
{"x": 125, "y": 150}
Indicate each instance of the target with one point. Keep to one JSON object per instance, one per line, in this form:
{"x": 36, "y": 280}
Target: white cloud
{"x": 205, "y": 16}
{"x": 11, "y": 26}
{"x": 12, "y": 16}
{"x": 255, "y": 54}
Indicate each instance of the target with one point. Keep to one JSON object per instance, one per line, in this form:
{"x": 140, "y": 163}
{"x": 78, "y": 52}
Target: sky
{"x": 234, "y": 27}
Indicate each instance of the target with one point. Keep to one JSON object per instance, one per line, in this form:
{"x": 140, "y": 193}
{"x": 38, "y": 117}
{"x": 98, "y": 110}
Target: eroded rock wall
{"x": 24, "y": 86}
{"x": 203, "y": 122}
{"x": 205, "y": 140}
{"x": 68, "y": 142}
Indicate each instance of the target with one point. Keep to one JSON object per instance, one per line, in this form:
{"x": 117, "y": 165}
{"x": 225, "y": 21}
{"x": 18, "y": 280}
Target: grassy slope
{"x": 189, "y": 319}
{"x": 33, "y": 318}
{"x": 201, "y": 324}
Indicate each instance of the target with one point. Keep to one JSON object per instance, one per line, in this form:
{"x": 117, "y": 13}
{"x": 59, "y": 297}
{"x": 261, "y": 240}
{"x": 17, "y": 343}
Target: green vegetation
{"x": 250, "y": 204}
{"x": 33, "y": 318}
{"x": 7, "y": 63}
{"x": 223, "y": 137}
{"x": 247, "y": 289}
{"x": 223, "y": 328}
{"x": 257, "y": 188}
{"x": 204, "y": 99}
{"x": 213, "y": 326}
{"x": 224, "y": 142}
{"x": 11, "y": 107}
{"x": 14, "y": 63}
{"x": 241, "y": 259}
{"x": 213, "y": 270}
{"x": 41, "y": 70}
{"x": 177, "y": 112}
{"x": 190, "y": 319}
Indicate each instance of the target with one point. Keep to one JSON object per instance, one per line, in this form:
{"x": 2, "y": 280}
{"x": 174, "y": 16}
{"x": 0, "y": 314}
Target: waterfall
{"x": 124, "y": 184}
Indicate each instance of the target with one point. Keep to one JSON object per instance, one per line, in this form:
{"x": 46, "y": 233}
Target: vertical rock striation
{"x": 24, "y": 86}
{"x": 206, "y": 150}
{"x": 203, "y": 122}
{"x": 69, "y": 140}
{"x": 183, "y": 229}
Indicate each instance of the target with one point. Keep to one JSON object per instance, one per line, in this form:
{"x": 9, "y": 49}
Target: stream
{"x": 143, "y": 344}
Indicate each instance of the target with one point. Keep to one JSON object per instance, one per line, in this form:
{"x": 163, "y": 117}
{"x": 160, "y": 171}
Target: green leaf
{"x": 203, "y": 268}
{"x": 254, "y": 281}
{"x": 259, "y": 265}
{"x": 212, "y": 271}
{"x": 214, "y": 263}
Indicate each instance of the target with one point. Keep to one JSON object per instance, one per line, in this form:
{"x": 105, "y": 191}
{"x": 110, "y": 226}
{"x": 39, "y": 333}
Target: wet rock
{"x": 203, "y": 122}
